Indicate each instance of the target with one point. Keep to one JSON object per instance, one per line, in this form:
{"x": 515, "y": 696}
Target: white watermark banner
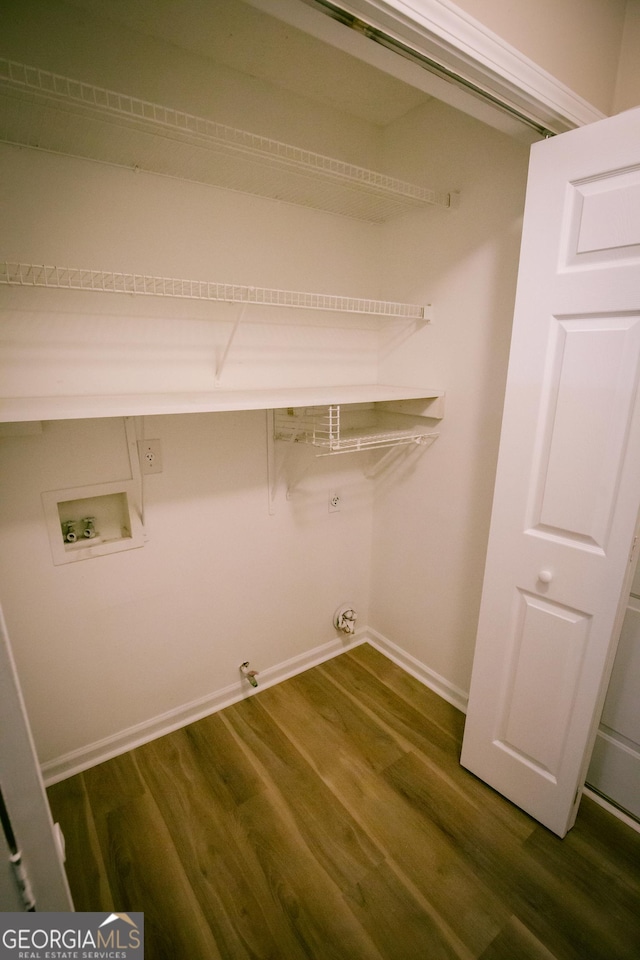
{"x": 71, "y": 936}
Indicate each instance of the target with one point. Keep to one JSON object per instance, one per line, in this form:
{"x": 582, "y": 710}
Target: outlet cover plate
{"x": 150, "y": 453}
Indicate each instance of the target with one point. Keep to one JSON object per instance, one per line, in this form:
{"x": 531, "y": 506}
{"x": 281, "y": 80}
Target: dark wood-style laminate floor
{"x": 327, "y": 817}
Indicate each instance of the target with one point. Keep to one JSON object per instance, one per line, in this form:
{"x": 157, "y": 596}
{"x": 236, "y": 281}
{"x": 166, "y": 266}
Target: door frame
{"x": 439, "y": 31}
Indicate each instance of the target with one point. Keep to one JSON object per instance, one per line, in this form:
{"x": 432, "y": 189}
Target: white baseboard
{"x": 614, "y": 771}
{"x": 611, "y": 808}
{"x": 82, "y": 759}
{"x": 448, "y": 691}
{"x": 78, "y": 760}
{"x": 85, "y": 757}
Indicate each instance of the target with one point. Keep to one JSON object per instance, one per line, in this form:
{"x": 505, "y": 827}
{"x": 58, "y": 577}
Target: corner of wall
{"x": 627, "y": 89}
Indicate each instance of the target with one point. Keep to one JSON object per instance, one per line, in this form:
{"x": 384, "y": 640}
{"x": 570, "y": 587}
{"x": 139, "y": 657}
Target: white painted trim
{"x": 78, "y": 760}
{"x": 444, "y": 33}
{"x": 614, "y": 770}
{"x": 88, "y": 756}
{"x": 611, "y": 808}
{"x": 448, "y": 691}
{"x": 448, "y": 34}
{"x": 458, "y": 698}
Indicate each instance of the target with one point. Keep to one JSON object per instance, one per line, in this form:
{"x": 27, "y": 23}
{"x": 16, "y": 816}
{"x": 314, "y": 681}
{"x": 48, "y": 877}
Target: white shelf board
{"x": 55, "y": 113}
{"x": 25, "y": 409}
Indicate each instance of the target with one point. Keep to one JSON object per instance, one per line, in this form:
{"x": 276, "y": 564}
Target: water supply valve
{"x": 344, "y": 619}
{"x": 89, "y": 528}
{"x": 68, "y": 533}
{"x": 248, "y": 674}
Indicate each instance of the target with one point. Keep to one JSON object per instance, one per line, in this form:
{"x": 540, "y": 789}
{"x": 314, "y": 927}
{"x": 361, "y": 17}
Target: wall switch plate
{"x": 150, "y": 453}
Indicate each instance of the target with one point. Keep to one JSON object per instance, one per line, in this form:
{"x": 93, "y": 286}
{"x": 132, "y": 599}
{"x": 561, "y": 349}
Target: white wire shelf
{"x": 337, "y": 430}
{"x": 51, "y": 112}
{"x": 103, "y": 281}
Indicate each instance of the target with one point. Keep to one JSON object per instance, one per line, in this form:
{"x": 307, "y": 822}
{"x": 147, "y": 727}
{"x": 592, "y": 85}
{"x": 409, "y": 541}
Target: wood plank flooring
{"x": 328, "y": 818}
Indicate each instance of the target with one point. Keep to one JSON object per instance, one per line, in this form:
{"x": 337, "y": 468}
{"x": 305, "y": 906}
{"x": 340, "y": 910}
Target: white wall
{"x": 58, "y": 210}
{"x": 80, "y": 44}
{"x": 627, "y": 92}
{"x": 430, "y": 531}
{"x": 577, "y": 41}
{"x": 106, "y": 643}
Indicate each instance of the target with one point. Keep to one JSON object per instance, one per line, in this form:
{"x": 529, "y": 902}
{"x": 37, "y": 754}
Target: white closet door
{"x": 568, "y": 481}
{"x": 10, "y": 899}
{"x": 25, "y": 798}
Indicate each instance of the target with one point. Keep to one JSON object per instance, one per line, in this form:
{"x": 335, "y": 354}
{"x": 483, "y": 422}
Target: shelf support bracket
{"x": 272, "y": 473}
{"x": 279, "y": 455}
{"x": 232, "y": 335}
{"x": 131, "y": 432}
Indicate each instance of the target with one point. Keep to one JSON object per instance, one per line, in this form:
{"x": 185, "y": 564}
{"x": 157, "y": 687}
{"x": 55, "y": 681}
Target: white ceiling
{"x": 239, "y": 36}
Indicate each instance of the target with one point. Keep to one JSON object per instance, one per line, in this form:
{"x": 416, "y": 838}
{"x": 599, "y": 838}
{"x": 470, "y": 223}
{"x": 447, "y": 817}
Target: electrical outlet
{"x": 334, "y": 502}
{"x": 150, "y": 453}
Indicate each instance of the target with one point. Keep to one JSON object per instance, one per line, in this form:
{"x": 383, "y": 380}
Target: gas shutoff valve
{"x": 344, "y": 619}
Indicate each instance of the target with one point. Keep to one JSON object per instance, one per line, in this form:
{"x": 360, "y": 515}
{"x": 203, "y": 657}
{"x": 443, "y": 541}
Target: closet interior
{"x": 293, "y": 270}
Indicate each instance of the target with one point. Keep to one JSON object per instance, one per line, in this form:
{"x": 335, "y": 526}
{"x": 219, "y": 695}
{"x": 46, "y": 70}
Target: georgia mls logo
{"x": 71, "y": 936}
{"x": 134, "y": 934}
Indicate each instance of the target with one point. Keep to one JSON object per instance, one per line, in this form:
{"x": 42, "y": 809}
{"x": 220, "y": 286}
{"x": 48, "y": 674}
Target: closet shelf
{"x": 55, "y": 113}
{"x": 335, "y": 430}
{"x": 27, "y": 409}
{"x": 102, "y": 281}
